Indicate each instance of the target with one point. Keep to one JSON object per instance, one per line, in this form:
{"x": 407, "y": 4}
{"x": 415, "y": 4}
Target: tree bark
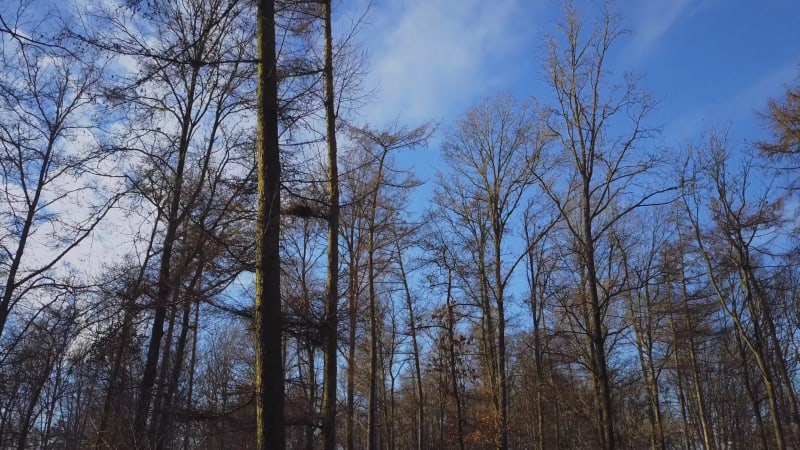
{"x": 332, "y": 284}
{"x": 269, "y": 382}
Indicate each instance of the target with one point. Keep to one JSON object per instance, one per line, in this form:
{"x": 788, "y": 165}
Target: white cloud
{"x": 654, "y": 20}
{"x": 431, "y": 58}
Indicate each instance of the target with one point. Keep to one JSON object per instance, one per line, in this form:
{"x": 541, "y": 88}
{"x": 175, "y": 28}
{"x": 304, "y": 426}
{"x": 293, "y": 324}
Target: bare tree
{"x": 53, "y": 194}
{"x": 494, "y": 152}
{"x": 605, "y": 172}
{"x": 737, "y": 271}
{"x": 378, "y": 145}
{"x": 403, "y": 273}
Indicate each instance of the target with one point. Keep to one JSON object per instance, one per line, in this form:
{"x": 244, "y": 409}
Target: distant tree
{"x": 689, "y": 328}
{"x": 783, "y": 120}
{"x": 402, "y": 238}
{"x": 377, "y": 147}
{"x": 736, "y": 266}
{"x": 598, "y": 128}
{"x": 493, "y": 152}
{"x": 541, "y": 270}
{"x": 51, "y": 158}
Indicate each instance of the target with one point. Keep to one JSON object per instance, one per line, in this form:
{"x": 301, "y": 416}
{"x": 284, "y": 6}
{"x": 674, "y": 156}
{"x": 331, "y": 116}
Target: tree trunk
{"x": 755, "y": 292}
{"x": 167, "y": 414}
{"x": 312, "y": 393}
{"x": 372, "y": 416}
{"x": 27, "y": 418}
{"x": 351, "y": 350}
{"x": 415, "y": 352}
{"x": 754, "y": 398}
{"x": 158, "y": 396}
{"x": 501, "y": 327}
{"x": 451, "y": 323}
{"x": 269, "y": 382}
{"x": 104, "y": 434}
{"x": 130, "y": 296}
{"x": 332, "y": 285}
{"x": 164, "y": 290}
{"x": 191, "y": 368}
{"x": 707, "y": 430}
{"x": 598, "y": 339}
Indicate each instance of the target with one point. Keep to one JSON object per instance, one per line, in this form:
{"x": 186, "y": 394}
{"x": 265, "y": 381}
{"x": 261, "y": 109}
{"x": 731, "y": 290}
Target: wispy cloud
{"x": 653, "y": 21}
{"x": 434, "y": 57}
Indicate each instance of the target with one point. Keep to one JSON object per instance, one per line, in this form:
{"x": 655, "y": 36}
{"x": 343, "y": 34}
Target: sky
{"x": 708, "y": 63}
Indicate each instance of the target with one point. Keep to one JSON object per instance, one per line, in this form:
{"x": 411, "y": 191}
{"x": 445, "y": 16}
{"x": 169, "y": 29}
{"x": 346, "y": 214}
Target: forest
{"x": 205, "y": 246}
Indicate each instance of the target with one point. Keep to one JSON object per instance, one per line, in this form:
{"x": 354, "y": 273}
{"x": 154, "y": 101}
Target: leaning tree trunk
{"x": 164, "y": 289}
{"x": 412, "y": 324}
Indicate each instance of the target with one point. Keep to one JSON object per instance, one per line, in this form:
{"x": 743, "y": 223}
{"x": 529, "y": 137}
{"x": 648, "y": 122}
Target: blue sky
{"x": 710, "y": 63}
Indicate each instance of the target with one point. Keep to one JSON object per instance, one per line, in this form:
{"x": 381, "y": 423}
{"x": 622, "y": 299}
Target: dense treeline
{"x": 570, "y": 285}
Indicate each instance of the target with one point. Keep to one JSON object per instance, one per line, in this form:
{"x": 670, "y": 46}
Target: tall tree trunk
{"x": 699, "y": 393}
{"x": 190, "y": 385}
{"x": 489, "y": 338}
{"x": 754, "y": 398}
{"x": 537, "y": 281}
{"x": 164, "y": 289}
{"x": 51, "y": 407}
{"x": 332, "y": 284}
{"x": 372, "y": 415}
{"x": 132, "y": 292}
{"x": 754, "y": 291}
{"x": 597, "y": 335}
{"x": 501, "y": 328}
{"x": 165, "y": 426}
{"x": 167, "y": 415}
{"x": 158, "y": 396}
{"x": 388, "y": 371}
{"x": 104, "y": 434}
{"x": 451, "y": 339}
{"x": 754, "y": 344}
{"x": 351, "y": 349}
{"x": 312, "y": 394}
{"x": 415, "y": 351}
{"x": 687, "y": 435}
{"x": 26, "y": 420}
{"x": 536, "y": 317}
{"x": 645, "y": 352}
{"x": 269, "y": 382}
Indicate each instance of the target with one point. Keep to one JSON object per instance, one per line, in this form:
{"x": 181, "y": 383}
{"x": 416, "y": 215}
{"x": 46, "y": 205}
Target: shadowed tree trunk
{"x": 269, "y": 382}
